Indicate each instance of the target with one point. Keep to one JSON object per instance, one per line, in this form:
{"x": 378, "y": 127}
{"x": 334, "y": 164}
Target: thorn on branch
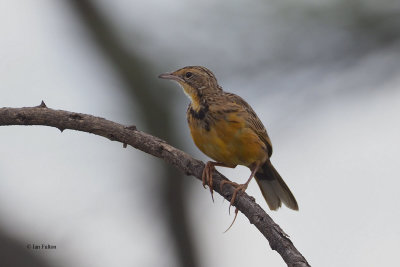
{"x": 124, "y": 145}
{"x": 61, "y": 129}
{"x": 42, "y": 105}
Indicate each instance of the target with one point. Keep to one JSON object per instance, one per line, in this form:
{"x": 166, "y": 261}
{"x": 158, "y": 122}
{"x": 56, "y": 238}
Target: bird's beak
{"x": 170, "y": 76}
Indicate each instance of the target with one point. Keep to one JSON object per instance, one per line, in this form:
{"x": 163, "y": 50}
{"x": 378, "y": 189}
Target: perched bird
{"x": 225, "y": 128}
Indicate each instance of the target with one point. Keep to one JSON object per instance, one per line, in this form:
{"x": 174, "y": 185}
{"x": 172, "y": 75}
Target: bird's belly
{"x": 229, "y": 142}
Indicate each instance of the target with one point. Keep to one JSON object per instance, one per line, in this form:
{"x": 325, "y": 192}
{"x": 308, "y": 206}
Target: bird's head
{"x": 197, "y": 82}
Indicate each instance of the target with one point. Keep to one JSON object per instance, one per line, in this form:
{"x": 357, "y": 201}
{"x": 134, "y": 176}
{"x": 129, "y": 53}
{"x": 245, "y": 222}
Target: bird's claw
{"x": 207, "y": 178}
{"x": 234, "y": 219}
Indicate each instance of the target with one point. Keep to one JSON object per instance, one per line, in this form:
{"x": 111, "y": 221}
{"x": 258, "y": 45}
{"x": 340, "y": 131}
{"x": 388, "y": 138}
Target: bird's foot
{"x": 207, "y": 177}
{"x": 221, "y": 185}
{"x": 238, "y": 188}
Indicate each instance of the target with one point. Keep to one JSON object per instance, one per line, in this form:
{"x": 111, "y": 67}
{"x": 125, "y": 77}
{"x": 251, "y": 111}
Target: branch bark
{"x": 41, "y": 115}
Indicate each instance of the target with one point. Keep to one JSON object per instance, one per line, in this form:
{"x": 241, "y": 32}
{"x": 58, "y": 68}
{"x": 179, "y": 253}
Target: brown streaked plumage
{"x": 225, "y": 127}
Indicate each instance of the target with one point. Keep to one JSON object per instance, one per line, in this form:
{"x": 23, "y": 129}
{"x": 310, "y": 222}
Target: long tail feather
{"x": 274, "y": 189}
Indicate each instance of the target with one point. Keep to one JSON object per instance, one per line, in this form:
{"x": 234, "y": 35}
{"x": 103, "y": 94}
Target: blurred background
{"x": 323, "y": 76}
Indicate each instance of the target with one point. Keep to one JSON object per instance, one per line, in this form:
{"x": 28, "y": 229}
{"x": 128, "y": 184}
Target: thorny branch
{"x": 129, "y": 135}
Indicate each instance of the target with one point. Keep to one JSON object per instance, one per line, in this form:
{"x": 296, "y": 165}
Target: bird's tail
{"x": 274, "y": 189}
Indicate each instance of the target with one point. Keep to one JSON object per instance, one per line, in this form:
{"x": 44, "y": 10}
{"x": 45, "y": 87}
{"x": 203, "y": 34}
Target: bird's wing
{"x": 252, "y": 120}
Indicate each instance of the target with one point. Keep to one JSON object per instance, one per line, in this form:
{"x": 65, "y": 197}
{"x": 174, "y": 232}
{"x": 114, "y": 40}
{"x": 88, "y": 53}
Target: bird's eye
{"x": 188, "y": 74}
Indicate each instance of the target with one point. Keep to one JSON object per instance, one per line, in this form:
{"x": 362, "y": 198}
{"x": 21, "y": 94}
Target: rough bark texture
{"x": 41, "y": 115}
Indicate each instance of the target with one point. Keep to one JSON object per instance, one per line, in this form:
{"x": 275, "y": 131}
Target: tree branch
{"x": 41, "y": 115}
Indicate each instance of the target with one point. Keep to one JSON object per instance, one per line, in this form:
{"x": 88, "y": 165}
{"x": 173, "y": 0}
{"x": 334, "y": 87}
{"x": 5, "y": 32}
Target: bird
{"x": 226, "y": 128}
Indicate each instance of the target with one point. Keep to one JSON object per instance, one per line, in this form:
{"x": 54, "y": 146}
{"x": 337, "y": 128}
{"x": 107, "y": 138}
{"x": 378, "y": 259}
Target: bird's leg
{"x": 221, "y": 185}
{"x": 207, "y": 175}
{"x": 240, "y": 187}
